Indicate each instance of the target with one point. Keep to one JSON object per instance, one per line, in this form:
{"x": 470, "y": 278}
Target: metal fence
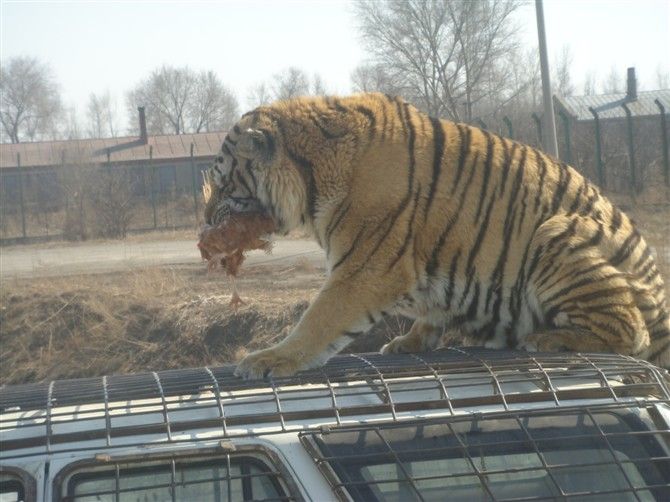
{"x": 84, "y": 200}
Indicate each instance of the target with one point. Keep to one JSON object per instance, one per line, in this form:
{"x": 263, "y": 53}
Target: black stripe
{"x": 410, "y": 229}
{"x": 593, "y": 241}
{"x": 371, "y": 318}
{"x": 507, "y": 164}
{"x": 243, "y": 182}
{"x": 465, "y": 138}
{"x": 250, "y": 172}
{"x": 488, "y": 164}
{"x": 346, "y": 255}
{"x": 626, "y": 248}
{"x": 335, "y": 222}
{"x": 617, "y": 219}
{"x": 237, "y": 129}
{"x": 543, "y": 172}
{"x": 449, "y": 290}
{"x": 563, "y": 182}
{"x": 371, "y": 118}
{"x": 576, "y": 200}
{"x": 431, "y": 266}
{"x": 524, "y": 206}
{"x": 438, "y": 144}
{"x": 469, "y": 270}
{"x": 472, "y": 309}
{"x": 307, "y": 170}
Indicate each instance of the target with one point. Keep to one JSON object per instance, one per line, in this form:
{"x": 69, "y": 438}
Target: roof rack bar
{"x": 550, "y": 384}
{"x": 611, "y": 450}
{"x": 443, "y": 388}
{"x": 331, "y": 390}
{"x": 383, "y": 382}
{"x": 278, "y": 403}
{"x": 488, "y": 368}
{"x": 601, "y": 374}
{"x": 166, "y": 418}
{"x": 108, "y": 418}
{"x": 217, "y": 393}
{"x": 533, "y": 443}
{"x": 49, "y": 425}
{"x": 399, "y": 464}
{"x": 473, "y": 464}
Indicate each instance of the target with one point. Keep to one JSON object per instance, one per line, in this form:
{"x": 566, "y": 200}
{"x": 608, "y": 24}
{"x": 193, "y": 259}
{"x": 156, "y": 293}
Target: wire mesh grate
{"x": 175, "y": 405}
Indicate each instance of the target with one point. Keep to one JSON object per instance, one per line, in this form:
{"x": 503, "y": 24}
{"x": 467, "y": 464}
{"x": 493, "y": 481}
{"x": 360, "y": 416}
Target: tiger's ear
{"x": 255, "y": 144}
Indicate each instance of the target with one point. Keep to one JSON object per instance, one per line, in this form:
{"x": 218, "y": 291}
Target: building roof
{"x": 127, "y": 149}
{"x": 608, "y": 106}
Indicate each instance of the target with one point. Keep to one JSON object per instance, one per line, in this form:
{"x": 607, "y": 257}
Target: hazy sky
{"x": 97, "y": 45}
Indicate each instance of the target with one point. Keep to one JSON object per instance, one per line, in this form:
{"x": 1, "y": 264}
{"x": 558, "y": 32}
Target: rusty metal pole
{"x": 550, "y": 144}
{"x": 508, "y": 123}
{"x": 21, "y": 199}
{"x": 153, "y": 183}
{"x": 599, "y": 151}
{"x": 195, "y": 196}
{"x": 664, "y": 142}
{"x": 538, "y": 125}
{"x": 631, "y": 149}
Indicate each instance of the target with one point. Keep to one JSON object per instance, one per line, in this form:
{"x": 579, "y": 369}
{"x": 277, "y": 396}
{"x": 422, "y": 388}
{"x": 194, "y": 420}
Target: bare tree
{"x": 30, "y": 104}
{"x": 101, "y": 116}
{"x": 213, "y": 107}
{"x": 612, "y": 83}
{"x": 290, "y": 83}
{"x": 447, "y": 56}
{"x": 179, "y": 100}
{"x": 259, "y": 95}
{"x": 563, "y": 82}
{"x": 318, "y": 87}
{"x": 590, "y": 83}
{"x": 662, "y": 78}
{"x": 371, "y": 78}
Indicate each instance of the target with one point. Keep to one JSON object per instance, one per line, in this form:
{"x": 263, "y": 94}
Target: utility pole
{"x": 549, "y": 140}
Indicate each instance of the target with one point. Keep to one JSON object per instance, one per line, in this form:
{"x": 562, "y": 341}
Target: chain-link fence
{"x": 80, "y": 200}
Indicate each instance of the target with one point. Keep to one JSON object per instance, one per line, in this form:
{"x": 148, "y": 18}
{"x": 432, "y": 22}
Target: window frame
{"x": 28, "y": 482}
{"x": 310, "y": 439}
{"x": 258, "y": 453}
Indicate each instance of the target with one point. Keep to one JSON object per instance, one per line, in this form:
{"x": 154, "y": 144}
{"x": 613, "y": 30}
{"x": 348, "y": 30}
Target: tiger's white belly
{"x": 429, "y": 303}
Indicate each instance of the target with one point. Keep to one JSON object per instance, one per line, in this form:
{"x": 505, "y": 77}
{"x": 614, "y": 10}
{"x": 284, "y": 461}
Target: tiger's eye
{"x": 219, "y": 159}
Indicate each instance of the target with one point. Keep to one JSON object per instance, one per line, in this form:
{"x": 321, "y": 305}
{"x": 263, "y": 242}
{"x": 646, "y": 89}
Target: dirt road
{"x": 33, "y": 261}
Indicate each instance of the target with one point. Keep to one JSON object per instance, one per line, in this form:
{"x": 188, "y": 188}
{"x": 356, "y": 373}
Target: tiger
{"x": 466, "y": 232}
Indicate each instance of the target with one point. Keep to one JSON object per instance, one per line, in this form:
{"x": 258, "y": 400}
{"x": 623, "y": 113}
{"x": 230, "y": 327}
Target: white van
{"x": 454, "y": 424}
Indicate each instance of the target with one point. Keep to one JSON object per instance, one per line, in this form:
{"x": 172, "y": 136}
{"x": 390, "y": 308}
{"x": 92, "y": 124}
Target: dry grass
{"x": 171, "y": 317}
{"x": 155, "y": 319}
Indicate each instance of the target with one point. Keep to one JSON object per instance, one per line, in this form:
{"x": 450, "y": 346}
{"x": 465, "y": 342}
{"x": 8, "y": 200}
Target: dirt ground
{"x": 157, "y": 317}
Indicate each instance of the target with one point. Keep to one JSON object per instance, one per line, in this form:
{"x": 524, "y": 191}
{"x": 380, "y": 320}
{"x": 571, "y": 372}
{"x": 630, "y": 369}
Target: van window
{"x": 577, "y": 454}
{"x": 228, "y": 478}
{"x": 11, "y": 489}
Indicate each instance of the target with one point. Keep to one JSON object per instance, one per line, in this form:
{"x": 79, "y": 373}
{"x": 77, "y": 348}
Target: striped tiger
{"x": 453, "y": 226}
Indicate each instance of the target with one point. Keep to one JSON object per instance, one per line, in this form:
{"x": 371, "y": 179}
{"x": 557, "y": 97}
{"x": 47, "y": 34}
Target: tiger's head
{"x": 255, "y": 171}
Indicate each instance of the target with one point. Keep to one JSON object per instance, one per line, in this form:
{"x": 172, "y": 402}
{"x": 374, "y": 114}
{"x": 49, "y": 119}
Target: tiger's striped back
{"x": 457, "y": 227}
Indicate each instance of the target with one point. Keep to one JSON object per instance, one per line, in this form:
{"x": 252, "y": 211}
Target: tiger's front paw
{"x": 269, "y": 362}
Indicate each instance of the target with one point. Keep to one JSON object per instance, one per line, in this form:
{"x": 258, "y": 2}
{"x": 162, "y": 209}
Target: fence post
{"x": 664, "y": 142}
{"x": 566, "y": 131}
{"x": 599, "y": 149}
{"x": 631, "y": 149}
{"x": 23, "y": 205}
{"x": 153, "y": 182}
{"x": 195, "y": 197}
{"x": 508, "y": 123}
{"x": 538, "y": 125}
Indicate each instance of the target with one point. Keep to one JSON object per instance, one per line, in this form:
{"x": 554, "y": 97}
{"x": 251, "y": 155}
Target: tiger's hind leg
{"x": 422, "y": 336}
{"x": 587, "y": 303}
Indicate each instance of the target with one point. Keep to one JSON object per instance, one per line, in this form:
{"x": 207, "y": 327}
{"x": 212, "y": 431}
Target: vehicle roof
{"x": 210, "y": 402}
